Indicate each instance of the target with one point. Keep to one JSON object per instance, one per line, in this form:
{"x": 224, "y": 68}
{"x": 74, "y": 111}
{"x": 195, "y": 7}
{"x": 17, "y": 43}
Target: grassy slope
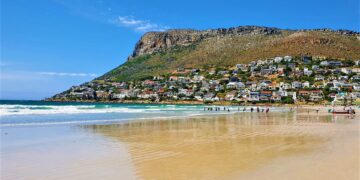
{"x": 229, "y": 50}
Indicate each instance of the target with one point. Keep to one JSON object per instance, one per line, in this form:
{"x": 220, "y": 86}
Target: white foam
{"x": 8, "y": 110}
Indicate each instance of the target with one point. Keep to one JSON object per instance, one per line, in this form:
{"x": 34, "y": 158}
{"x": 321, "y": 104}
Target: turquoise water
{"x": 37, "y": 113}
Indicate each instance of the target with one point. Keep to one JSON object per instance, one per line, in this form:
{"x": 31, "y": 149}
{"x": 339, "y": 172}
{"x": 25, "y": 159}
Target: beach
{"x": 294, "y": 144}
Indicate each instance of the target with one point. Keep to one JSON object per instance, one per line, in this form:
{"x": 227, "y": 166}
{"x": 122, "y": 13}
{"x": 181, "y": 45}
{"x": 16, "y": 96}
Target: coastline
{"x": 218, "y": 103}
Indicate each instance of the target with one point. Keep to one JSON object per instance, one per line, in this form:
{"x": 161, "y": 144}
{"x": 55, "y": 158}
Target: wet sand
{"x": 293, "y": 145}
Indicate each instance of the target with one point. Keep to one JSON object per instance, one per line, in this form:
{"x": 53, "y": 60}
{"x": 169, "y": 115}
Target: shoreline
{"x": 225, "y": 103}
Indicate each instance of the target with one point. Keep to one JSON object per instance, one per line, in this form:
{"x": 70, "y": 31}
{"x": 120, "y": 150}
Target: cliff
{"x": 158, "y": 41}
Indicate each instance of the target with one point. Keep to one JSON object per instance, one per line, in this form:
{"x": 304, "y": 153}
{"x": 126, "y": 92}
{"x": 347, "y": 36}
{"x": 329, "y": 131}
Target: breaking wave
{"x": 51, "y": 113}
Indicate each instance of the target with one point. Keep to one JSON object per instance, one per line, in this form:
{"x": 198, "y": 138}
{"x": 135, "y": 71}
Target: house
{"x": 356, "y": 87}
{"x": 278, "y": 59}
{"x": 230, "y": 95}
{"x": 287, "y": 58}
{"x": 306, "y": 59}
{"x": 77, "y": 94}
{"x": 281, "y": 93}
{"x": 209, "y": 97}
{"x": 296, "y": 85}
{"x": 304, "y": 94}
{"x": 355, "y": 78}
{"x": 102, "y": 94}
{"x": 242, "y": 67}
{"x": 319, "y": 78}
{"x": 291, "y": 65}
{"x": 315, "y": 67}
{"x": 307, "y": 72}
{"x": 254, "y": 96}
{"x": 264, "y": 85}
{"x": 285, "y": 86}
{"x": 231, "y": 85}
{"x": 266, "y": 71}
{"x": 346, "y": 70}
{"x": 324, "y": 63}
{"x": 275, "y": 98}
{"x": 343, "y": 78}
{"x": 335, "y": 63}
{"x": 306, "y": 84}
{"x": 147, "y": 94}
{"x": 265, "y": 95}
{"x": 316, "y": 95}
{"x": 123, "y": 94}
{"x": 240, "y": 85}
{"x": 186, "y": 92}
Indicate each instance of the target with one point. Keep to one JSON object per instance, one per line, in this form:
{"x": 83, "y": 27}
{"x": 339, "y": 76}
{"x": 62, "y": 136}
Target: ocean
{"x": 35, "y": 113}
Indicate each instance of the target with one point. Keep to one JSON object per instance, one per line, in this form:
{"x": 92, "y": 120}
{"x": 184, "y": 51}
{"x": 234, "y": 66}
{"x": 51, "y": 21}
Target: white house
{"x": 278, "y": 59}
{"x": 306, "y": 84}
{"x": 287, "y": 58}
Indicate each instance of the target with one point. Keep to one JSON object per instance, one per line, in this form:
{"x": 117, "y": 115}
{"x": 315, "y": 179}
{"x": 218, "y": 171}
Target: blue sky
{"x": 49, "y": 45}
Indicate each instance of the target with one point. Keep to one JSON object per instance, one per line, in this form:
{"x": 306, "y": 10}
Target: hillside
{"x": 159, "y": 53}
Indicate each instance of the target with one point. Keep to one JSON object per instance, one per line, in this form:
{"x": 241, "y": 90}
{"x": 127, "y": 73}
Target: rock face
{"x": 157, "y": 41}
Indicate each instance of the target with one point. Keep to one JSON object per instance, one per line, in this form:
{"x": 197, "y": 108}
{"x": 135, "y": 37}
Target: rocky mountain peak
{"x": 157, "y": 41}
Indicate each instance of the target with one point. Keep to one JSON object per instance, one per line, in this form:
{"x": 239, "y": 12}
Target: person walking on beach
{"x": 257, "y": 109}
{"x": 251, "y": 109}
{"x": 267, "y": 110}
{"x": 244, "y": 109}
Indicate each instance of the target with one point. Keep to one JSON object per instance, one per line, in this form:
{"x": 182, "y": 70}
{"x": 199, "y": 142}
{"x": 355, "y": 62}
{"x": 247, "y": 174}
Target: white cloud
{"x": 138, "y": 25}
{"x": 68, "y": 74}
{"x": 129, "y": 21}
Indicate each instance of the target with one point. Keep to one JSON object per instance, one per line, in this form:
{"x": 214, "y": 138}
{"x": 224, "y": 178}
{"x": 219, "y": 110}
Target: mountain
{"x": 160, "y": 53}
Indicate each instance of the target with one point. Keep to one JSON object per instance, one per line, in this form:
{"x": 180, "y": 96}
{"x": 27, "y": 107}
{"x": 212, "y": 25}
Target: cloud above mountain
{"x": 137, "y": 24}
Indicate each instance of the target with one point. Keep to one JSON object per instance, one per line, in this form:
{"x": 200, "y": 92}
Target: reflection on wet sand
{"x": 246, "y": 145}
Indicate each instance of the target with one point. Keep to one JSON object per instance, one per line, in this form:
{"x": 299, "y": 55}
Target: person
{"x": 317, "y": 111}
{"x": 267, "y": 110}
{"x": 244, "y": 109}
{"x": 251, "y": 109}
{"x": 257, "y": 109}
{"x": 228, "y": 109}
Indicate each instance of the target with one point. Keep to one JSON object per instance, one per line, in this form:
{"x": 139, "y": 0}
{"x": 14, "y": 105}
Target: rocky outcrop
{"x": 157, "y": 41}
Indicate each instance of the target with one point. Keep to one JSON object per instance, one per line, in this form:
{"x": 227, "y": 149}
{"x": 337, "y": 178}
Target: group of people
{"x": 244, "y": 109}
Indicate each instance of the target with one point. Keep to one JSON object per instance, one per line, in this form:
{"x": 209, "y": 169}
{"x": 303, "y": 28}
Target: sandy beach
{"x": 292, "y": 145}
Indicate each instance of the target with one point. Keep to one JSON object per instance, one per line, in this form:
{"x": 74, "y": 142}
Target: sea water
{"x": 30, "y": 113}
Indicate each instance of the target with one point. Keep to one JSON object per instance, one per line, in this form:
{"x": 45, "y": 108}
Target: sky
{"x": 48, "y": 46}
